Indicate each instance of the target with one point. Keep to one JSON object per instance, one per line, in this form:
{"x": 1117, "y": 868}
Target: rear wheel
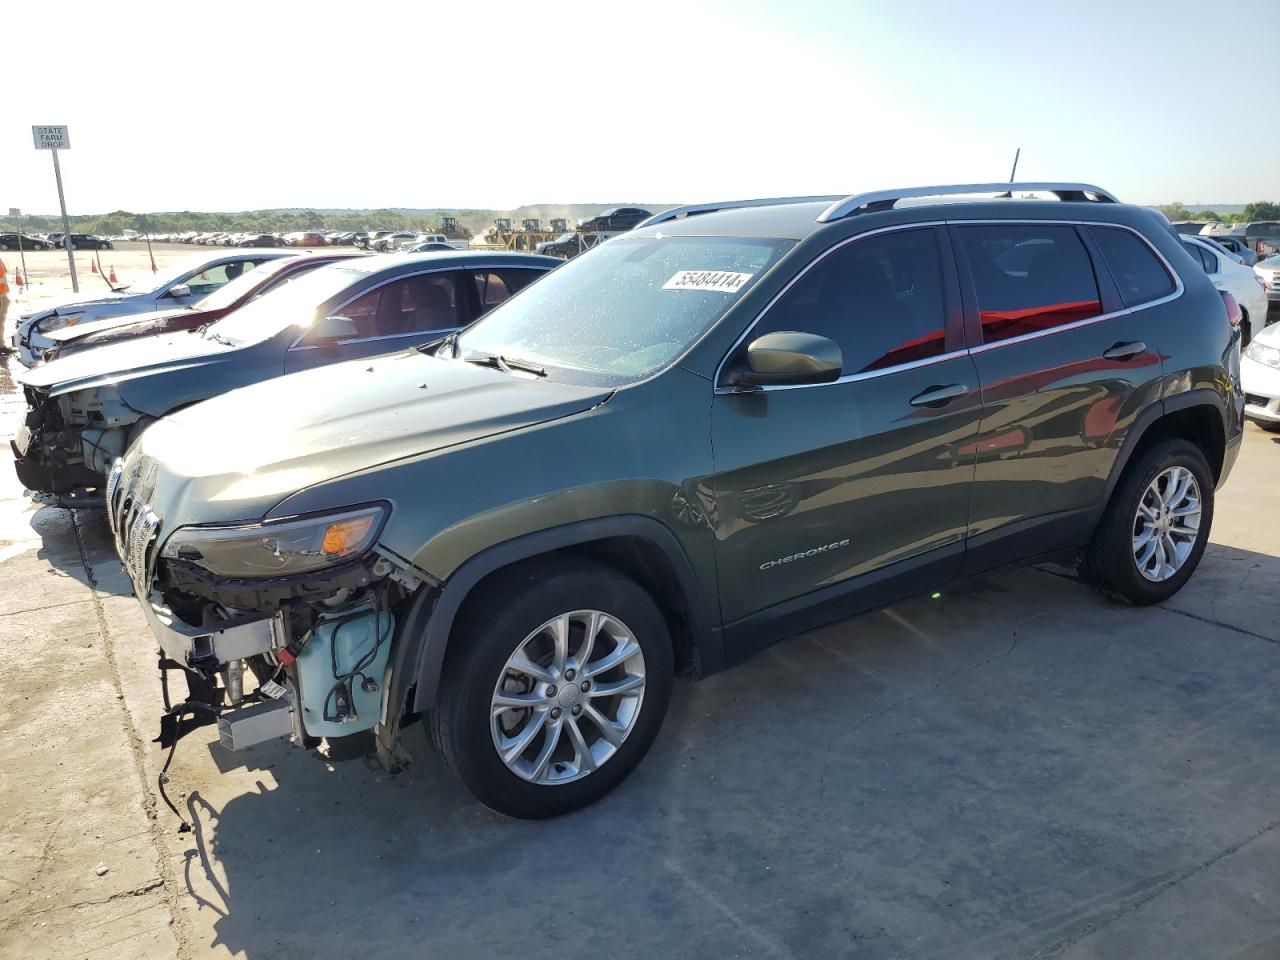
{"x": 557, "y": 682}
{"x": 1155, "y": 527}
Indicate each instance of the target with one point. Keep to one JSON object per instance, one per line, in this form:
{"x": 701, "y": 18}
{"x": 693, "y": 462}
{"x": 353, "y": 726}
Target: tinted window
{"x": 1203, "y": 257}
{"x": 411, "y": 305}
{"x": 494, "y": 286}
{"x": 1029, "y": 277}
{"x": 880, "y": 299}
{"x": 1138, "y": 273}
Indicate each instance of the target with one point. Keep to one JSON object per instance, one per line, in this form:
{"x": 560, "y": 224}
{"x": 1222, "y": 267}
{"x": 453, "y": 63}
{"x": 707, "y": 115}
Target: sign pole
{"x": 22, "y": 252}
{"x": 66, "y": 224}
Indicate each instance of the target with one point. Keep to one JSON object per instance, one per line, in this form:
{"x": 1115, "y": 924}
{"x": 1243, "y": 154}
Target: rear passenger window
{"x": 880, "y": 299}
{"x": 1202, "y": 256}
{"x": 1138, "y": 273}
{"x": 1029, "y": 278}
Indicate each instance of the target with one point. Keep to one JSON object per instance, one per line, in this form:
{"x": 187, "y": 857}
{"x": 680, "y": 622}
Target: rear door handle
{"x": 939, "y": 396}
{"x": 1125, "y": 351}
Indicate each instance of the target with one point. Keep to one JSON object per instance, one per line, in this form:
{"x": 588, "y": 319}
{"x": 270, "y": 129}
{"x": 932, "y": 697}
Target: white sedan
{"x": 1260, "y": 378}
{"x": 1236, "y": 279}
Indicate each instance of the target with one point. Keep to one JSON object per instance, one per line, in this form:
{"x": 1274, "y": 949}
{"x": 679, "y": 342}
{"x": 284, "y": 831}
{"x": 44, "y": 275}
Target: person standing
{"x": 4, "y": 298}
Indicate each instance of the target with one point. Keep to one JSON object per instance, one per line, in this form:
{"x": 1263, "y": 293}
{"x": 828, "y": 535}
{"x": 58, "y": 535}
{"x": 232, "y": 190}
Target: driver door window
{"x": 880, "y": 299}
{"x": 219, "y": 275}
{"x": 424, "y": 304}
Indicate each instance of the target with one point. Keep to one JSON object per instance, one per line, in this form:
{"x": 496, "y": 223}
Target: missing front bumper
{"x": 206, "y": 647}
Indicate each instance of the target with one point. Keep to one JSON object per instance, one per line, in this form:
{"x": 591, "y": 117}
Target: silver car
{"x": 181, "y": 284}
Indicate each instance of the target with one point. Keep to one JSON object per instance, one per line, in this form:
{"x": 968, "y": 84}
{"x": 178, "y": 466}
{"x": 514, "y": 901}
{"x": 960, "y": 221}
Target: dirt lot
{"x": 1021, "y": 769}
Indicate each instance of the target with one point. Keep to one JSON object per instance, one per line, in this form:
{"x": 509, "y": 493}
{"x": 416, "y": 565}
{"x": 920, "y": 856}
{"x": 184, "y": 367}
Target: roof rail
{"x": 676, "y": 213}
{"x": 885, "y": 199}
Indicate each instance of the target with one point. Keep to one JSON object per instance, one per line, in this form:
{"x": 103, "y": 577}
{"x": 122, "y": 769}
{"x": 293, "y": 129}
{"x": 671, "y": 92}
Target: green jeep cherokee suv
{"x": 733, "y": 424}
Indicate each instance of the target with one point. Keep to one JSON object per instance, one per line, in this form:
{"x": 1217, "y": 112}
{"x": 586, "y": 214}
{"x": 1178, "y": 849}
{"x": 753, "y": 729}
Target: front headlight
{"x": 1263, "y": 354}
{"x": 278, "y": 548}
{"x": 57, "y": 321}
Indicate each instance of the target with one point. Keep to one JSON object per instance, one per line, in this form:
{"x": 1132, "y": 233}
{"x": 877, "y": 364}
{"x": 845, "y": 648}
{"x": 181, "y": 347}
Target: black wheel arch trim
{"x": 418, "y": 658}
{"x": 1199, "y": 397}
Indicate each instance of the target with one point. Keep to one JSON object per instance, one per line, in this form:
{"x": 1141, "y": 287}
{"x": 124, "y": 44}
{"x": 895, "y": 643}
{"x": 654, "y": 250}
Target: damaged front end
{"x": 68, "y": 442}
{"x": 281, "y": 628}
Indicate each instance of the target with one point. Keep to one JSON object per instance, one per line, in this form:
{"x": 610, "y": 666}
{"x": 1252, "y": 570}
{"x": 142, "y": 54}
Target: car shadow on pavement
{"x": 1001, "y": 770}
{"x": 78, "y": 544}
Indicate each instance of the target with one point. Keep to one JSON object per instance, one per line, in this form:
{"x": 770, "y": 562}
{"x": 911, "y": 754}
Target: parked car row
{"x": 1251, "y": 241}
{"x": 17, "y": 241}
{"x": 306, "y": 238}
{"x": 516, "y": 496}
{"x": 49, "y": 241}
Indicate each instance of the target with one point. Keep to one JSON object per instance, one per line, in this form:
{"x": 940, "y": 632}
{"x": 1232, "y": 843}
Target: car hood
{"x": 234, "y": 457}
{"x": 71, "y": 303}
{"x": 120, "y": 362}
{"x": 64, "y": 334}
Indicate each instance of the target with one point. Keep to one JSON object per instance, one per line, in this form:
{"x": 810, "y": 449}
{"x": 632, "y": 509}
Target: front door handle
{"x": 1125, "y": 351}
{"x": 939, "y": 396}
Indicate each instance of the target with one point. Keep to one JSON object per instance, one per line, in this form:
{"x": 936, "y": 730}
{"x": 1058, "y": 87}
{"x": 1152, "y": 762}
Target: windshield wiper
{"x": 219, "y": 338}
{"x": 507, "y": 364}
{"x": 437, "y": 348}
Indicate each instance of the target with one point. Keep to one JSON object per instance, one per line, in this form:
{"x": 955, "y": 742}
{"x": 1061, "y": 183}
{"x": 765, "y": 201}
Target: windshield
{"x": 625, "y": 309}
{"x": 294, "y": 303}
{"x": 241, "y": 286}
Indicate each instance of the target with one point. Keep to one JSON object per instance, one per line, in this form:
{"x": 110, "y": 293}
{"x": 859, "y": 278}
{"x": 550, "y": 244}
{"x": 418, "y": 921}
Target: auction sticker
{"x": 722, "y": 281}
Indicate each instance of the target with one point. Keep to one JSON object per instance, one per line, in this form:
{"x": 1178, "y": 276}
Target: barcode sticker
{"x": 721, "y": 281}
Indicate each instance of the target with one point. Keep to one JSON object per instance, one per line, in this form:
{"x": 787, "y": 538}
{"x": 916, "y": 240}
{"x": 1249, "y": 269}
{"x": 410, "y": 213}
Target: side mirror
{"x": 788, "y": 358}
{"x": 178, "y": 291}
{"x": 332, "y": 329}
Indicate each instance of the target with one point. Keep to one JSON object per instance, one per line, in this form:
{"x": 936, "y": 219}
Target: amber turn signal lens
{"x": 343, "y": 536}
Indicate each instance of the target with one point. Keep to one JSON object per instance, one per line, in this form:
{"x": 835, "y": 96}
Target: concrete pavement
{"x": 1017, "y": 770}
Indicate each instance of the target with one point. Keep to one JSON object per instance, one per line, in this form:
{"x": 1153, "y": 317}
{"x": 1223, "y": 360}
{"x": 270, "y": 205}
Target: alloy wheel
{"x": 1167, "y": 524}
{"x": 568, "y": 697}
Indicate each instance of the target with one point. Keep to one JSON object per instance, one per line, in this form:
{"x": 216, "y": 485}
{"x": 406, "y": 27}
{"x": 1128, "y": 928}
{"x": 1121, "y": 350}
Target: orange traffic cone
{"x": 17, "y": 278}
{"x": 112, "y": 276}
{"x": 93, "y": 267}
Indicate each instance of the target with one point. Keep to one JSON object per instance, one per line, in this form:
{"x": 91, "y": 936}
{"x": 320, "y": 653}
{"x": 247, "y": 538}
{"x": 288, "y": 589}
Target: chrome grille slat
{"x": 134, "y": 524}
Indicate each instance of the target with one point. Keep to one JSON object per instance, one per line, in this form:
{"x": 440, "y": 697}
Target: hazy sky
{"x": 231, "y": 105}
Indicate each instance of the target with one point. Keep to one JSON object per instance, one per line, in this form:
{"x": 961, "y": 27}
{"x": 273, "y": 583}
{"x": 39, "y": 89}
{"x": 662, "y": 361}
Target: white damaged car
{"x": 1260, "y": 378}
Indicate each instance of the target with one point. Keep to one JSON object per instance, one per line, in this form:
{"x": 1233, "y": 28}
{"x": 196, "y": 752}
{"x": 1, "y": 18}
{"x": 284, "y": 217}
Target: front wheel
{"x": 556, "y": 683}
{"x": 1155, "y": 527}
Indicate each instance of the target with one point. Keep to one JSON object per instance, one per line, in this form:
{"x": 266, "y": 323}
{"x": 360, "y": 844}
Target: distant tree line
{"x": 260, "y": 221}
{"x": 272, "y": 221}
{"x": 1262, "y": 210}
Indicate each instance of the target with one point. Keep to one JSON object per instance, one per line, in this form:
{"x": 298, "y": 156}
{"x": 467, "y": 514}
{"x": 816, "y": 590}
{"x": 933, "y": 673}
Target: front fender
{"x": 417, "y": 658}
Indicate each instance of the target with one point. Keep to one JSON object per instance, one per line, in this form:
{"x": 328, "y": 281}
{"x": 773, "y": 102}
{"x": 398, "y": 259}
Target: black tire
{"x": 1108, "y": 563}
{"x": 492, "y": 626}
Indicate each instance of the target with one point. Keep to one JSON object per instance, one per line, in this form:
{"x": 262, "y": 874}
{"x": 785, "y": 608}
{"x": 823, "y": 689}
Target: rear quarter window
{"x": 1136, "y": 269}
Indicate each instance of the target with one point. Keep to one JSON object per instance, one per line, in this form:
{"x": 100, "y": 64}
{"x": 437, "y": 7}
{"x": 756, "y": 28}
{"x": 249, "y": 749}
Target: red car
{"x": 231, "y": 296}
{"x": 312, "y": 240}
